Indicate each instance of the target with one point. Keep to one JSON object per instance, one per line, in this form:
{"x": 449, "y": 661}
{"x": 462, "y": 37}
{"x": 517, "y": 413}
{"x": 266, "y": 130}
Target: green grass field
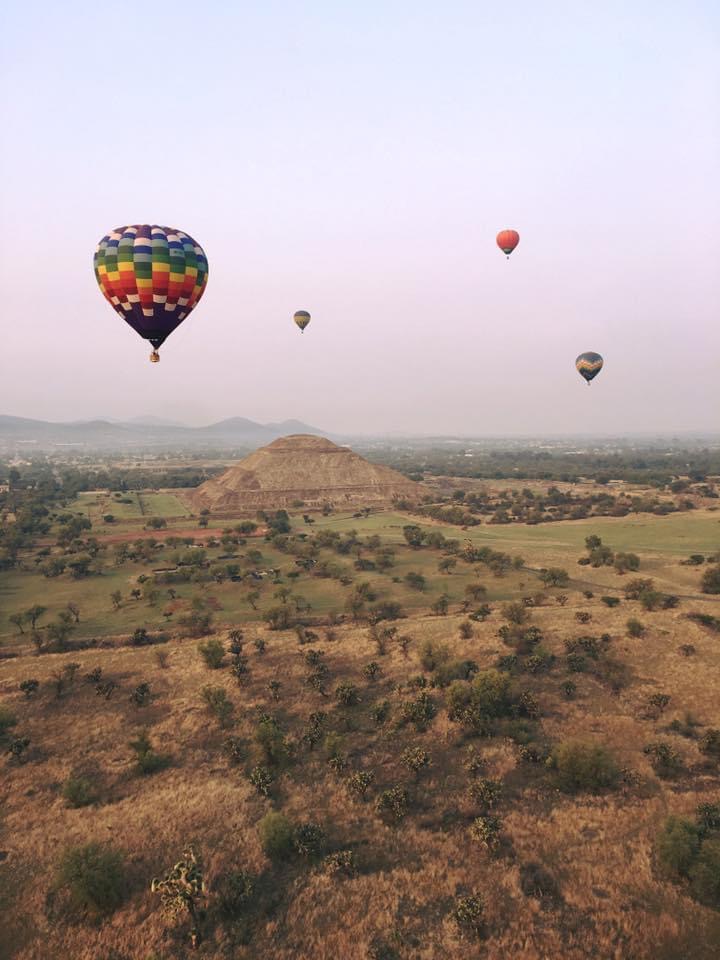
{"x": 96, "y": 504}
{"x": 677, "y": 535}
{"x": 660, "y": 543}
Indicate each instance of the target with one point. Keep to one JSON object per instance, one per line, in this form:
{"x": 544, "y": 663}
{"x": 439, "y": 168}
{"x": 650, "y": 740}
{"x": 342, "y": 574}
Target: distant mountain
{"x": 142, "y": 432}
{"x": 150, "y": 421}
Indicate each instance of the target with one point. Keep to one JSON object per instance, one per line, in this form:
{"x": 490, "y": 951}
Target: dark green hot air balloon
{"x": 589, "y": 365}
{"x": 302, "y": 319}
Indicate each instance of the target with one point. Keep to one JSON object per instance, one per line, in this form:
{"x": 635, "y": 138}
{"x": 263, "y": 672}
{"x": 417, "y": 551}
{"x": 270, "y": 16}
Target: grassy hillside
{"x": 602, "y": 894}
{"x": 509, "y": 840}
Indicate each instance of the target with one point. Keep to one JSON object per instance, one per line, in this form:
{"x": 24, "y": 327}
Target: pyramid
{"x": 302, "y": 467}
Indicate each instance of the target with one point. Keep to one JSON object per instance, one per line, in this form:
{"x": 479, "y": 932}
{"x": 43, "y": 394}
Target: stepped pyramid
{"x": 302, "y": 467}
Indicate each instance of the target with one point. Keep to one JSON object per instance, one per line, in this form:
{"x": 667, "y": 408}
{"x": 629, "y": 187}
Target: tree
{"x": 554, "y": 577}
{"x": 475, "y": 592}
{"x": 447, "y": 564}
{"x": 17, "y": 619}
{"x": 414, "y": 535}
{"x": 181, "y": 890}
{"x": 252, "y": 598}
{"x": 416, "y": 581}
{"x": 74, "y": 611}
{"x": 441, "y": 605}
{"x": 116, "y": 598}
{"x": 34, "y": 613}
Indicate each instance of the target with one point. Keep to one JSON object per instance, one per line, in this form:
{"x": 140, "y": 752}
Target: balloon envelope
{"x": 152, "y": 276}
{"x": 589, "y": 365}
{"x": 302, "y": 319}
{"x": 507, "y": 240}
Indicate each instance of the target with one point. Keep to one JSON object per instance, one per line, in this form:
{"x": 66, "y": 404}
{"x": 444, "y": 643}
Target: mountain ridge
{"x": 145, "y": 431}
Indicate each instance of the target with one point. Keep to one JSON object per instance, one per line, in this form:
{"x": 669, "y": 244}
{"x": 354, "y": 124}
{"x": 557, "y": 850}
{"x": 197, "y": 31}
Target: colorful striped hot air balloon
{"x": 589, "y": 365}
{"x": 152, "y": 276}
{"x": 302, "y": 319}
{"x": 507, "y": 240}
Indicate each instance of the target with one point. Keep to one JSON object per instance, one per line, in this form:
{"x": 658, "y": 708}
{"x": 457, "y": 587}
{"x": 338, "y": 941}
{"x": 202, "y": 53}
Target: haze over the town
{"x": 357, "y": 161}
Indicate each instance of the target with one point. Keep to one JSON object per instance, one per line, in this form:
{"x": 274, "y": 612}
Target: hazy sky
{"x": 356, "y": 160}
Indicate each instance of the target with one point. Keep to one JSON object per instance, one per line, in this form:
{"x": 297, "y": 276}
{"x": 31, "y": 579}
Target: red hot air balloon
{"x": 507, "y": 240}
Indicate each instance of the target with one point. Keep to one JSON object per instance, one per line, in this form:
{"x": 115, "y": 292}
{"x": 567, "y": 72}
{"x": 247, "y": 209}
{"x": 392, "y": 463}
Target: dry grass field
{"x": 604, "y": 897}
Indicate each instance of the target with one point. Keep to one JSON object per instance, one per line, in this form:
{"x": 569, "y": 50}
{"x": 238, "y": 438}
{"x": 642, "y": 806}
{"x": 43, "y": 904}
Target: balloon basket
{"x": 154, "y": 357}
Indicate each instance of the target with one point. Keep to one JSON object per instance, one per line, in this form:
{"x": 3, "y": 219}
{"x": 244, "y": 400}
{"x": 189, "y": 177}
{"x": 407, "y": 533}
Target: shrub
{"x": 416, "y": 581}
{"x": 415, "y": 759}
{"x": 213, "y": 653}
{"x": 141, "y": 695}
{"x": 146, "y": 759}
{"x": 711, "y": 580}
{"x": 18, "y": 748}
{"x": 432, "y": 654}
{"x": 610, "y": 601}
{"x": 261, "y": 779}
{"x": 393, "y": 803}
{"x": 79, "y": 792}
{"x": 380, "y": 712}
{"x": 235, "y": 891}
{"x": 705, "y": 873}
{"x": 234, "y": 751}
{"x": 516, "y": 613}
{"x": 309, "y": 840}
{"x": 485, "y": 792}
{"x": 346, "y": 694}
{"x": 270, "y": 739}
{"x": 469, "y": 915}
{"x": 7, "y": 720}
{"x": 677, "y": 846}
{"x": 419, "y": 712}
{"x": 217, "y": 702}
{"x": 93, "y": 877}
{"x": 634, "y": 627}
{"x": 29, "y": 688}
{"x": 341, "y": 862}
{"x": 276, "y": 836}
{"x": 536, "y": 881}
{"x": 569, "y": 689}
{"x": 709, "y": 742}
{"x": 371, "y": 671}
{"x": 486, "y": 831}
{"x": 466, "y": 630}
{"x": 664, "y": 760}
{"x": 360, "y": 782}
{"x": 582, "y": 765}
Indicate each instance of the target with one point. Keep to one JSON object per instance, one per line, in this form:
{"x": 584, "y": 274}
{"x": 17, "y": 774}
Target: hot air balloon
{"x": 507, "y": 240}
{"x": 152, "y": 276}
{"x": 589, "y": 365}
{"x": 302, "y": 319}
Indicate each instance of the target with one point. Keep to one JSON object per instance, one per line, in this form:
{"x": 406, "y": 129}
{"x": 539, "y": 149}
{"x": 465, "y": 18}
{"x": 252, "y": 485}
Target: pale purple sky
{"x": 356, "y": 160}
